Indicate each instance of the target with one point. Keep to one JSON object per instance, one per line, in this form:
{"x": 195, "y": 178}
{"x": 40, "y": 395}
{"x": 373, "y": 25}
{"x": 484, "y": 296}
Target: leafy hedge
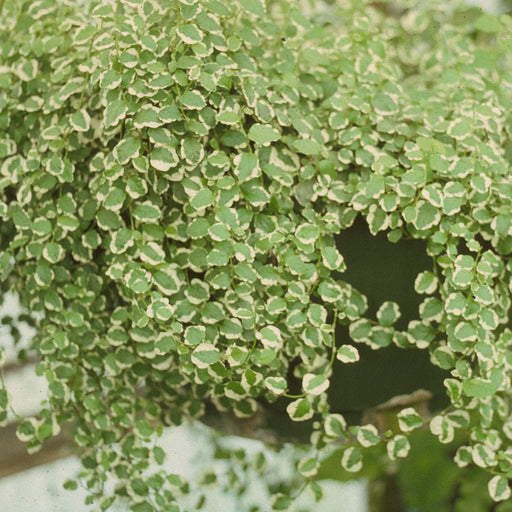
{"x": 173, "y": 178}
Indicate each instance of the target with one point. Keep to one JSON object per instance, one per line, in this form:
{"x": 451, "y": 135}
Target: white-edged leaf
{"x": 263, "y": 134}
{"x": 202, "y": 199}
{"x": 499, "y": 488}
{"x": 332, "y": 259}
{"x": 277, "y": 385}
{"x": 80, "y": 121}
{"x": 409, "y": 419}
{"x": 308, "y": 466}
{"x": 398, "y": 447}
{"x": 190, "y": 34}
{"x": 368, "y": 435}
{"x": 347, "y": 354}
{"x": 315, "y": 384}
{"x": 162, "y": 158}
{"x": 335, "y": 425}
{"x": 270, "y": 337}
{"x": 114, "y": 113}
{"x": 352, "y": 459}
{"x": 442, "y": 429}
{"x": 193, "y": 100}
{"x": 152, "y": 253}
{"x": 300, "y": 410}
{"x": 205, "y": 354}
{"x": 53, "y": 252}
{"x": 126, "y": 150}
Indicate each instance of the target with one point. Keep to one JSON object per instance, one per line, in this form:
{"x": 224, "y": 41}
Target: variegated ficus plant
{"x": 174, "y": 175}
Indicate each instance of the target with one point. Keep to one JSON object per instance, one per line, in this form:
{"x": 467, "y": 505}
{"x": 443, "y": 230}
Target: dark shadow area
{"x": 382, "y": 271}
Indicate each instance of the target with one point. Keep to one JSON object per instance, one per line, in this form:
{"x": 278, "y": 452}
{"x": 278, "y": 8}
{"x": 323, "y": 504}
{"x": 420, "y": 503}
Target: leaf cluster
{"x": 173, "y": 178}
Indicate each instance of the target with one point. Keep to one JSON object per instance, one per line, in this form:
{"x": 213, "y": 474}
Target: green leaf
{"x": 426, "y": 216}
{"x": 499, "y": 488}
{"x": 140, "y": 488}
{"x": 335, "y": 425}
{"x": 307, "y": 233}
{"x": 460, "y": 128}
{"x": 115, "y": 199}
{"x": 110, "y": 79}
{"x": 217, "y": 257}
{"x": 167, "y": 282}
{"x": 70, "y": 485}
{"x": 55, "y": 166}
{"x": 228, "y": 117}
{"x": 384, "y": 104}
{"x": 108, "y": 220}
{"x": 270, "y": 337}
{"x": 308, "y": 147}
{"x": 162, "y": 81}
{"x": 426, "y": 282}
{"x": 53, "y": 252}
{"x": 194, "y": 335}
{"x": 388, "y": 313}
{"x": 205, "y": 354}
{"x": 488, "y": 23}
{"x": 315, "y": 384}
{"x": 193, "y": 100}
{"x": 114, "y": 113}
{"x": 484, "y": 456}
{"x": 162, "y": 158}
{"x": 126, "y": 150}
{"x": 478, "y": 387}
{"x": 277, "y": 385}
{"x": 300, "y": 410}
{"x": 444, "y": 357}
{"x": 26, "y": 429}
{"x": 263, "y": 134}
{"x": 368, "y": 435}
{"x": 136, "y": 187}
{"x": 129, "y": 58}
{"x": 202, "y": 199}
{"x": 347, "y": 354}
{"x": 7, "y": 147}
{"x": 465, "y": 331}
{"x": 308, "y": 466}
{"x": 146, "y": 212}
{"x": 255, "y": 194}
{"x": 152, "y": 253}
{"x": 409, "y": 419}
{"x": 144, "y": 428}
{"x": 169, "y": 113}
{"x": 198, "y": 228}
{"x": 20, "y": 217}
{"x": 256, "y": 7}
{"x": 189, "y": 33}
{"x": 44, "y": 275}
{"x": 27, "y": 70}
{"x": 247, "y": 166}
{"x": 352, "y": 459}
{"x": 138, "y": 281}
{"x": 219, "y": 232}
{"x": 159, "y": 455}
{"x": 281, "y": 502}
{"x": 80, "y": 121}
{"x": 398, "y": 447}
{"x": 375, "y": 186}
{"x": 329, "y": 291}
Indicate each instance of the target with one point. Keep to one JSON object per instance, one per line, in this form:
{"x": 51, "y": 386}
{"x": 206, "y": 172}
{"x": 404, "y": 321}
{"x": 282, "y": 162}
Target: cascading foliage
{"x": 173, "y": 174}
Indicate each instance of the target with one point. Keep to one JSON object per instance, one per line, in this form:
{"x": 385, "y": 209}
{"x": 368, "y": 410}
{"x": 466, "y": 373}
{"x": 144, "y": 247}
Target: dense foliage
{"x": 173, "y": 177}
